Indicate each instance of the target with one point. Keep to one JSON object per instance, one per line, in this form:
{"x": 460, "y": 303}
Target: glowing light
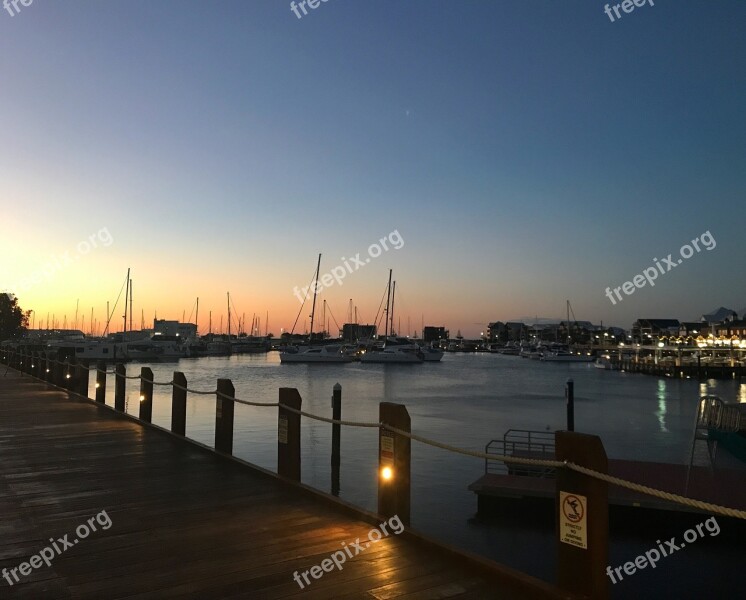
{"x": 47, "y": 370}
{"x": 387, "y": 473}
{"x": 98, "y": 385}
{"x": 142, "y": 398}
{"x": 67, "y": 376}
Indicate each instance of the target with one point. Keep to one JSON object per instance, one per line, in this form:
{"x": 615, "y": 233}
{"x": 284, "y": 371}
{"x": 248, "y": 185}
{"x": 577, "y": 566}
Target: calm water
{"x": 466, "y": 400}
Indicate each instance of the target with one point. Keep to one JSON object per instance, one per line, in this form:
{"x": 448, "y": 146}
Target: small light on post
{"x": 142, "y": 398}
{"x": 98, "y": 385}
{"x": 387, "y": 473}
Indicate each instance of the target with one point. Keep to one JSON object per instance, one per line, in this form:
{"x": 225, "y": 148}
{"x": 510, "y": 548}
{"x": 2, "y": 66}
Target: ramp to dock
{"x": 188, "y": 523}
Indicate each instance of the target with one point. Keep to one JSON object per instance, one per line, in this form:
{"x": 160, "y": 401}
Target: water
{"x": 465, "y": 400}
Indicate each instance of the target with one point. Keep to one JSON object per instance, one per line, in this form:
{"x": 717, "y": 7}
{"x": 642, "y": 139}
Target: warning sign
{"x": 387, "y": 450}
{"x": 573, "y": 525}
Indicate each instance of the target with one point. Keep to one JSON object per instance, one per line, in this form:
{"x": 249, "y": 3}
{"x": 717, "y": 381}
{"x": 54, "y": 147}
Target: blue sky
{"x": 526, "y": 151}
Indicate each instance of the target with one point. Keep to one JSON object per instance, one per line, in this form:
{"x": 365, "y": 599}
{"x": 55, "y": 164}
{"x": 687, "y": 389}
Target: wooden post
{"x": 58, "y": 371}
{"x": 224, "y": 409}
{"x": 119, "y": 387}
{"x": 570, "y": 396}
{"x": 100, "y": 382}
{"x": 146, "y": 394}
{"x": 288, "y": 435}
{"x": 48, "y": 366}
{"x": 83, "y": 378}
{"x": 178, "y": 404}
{"x": 394, "y": 462}
{"x": 337, "y": 416}
{"x": 582, "y": 517}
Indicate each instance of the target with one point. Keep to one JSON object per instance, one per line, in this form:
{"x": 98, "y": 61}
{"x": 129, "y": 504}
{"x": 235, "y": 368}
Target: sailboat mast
{"x": 393, "y": 299}
{"x": 196, "y": 318}
{"x": 130, "y": 305}
{"x": 388, "y": 303}
{"x": 315, "y": 291}
{"x": 126, "y": 294}
{"x": 229, "y": 316}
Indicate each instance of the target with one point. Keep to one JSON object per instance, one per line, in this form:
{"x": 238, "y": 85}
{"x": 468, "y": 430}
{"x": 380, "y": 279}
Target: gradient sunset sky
{"x": 527, "y": 152}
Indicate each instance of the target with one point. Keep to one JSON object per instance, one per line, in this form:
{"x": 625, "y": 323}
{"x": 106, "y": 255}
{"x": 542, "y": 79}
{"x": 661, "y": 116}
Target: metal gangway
{"x": 521, "y": 443}
{"x": 713, "y": 415}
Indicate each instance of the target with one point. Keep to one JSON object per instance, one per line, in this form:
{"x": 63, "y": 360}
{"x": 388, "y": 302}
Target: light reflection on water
{"x": 466, "y": 400}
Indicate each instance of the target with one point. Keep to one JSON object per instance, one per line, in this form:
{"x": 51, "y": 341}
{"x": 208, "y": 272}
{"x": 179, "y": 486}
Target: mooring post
{"x": 570, "y": 396}
{"x": 178, "y": 404}
{"x": 337, "y": 416}
{"x": 146, "y": 394}
{"x": 119, "y": 386}
{"x": 82, "y": 377}
{"x": 394, "y": 462}
{"x": 582, "y": 517}
{"x": 100, "y": 382}
{"x": 224, "y": 408}
{"x": 288, "y": 434}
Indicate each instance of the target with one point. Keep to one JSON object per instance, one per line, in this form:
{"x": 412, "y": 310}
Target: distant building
{"x": 644, "y": 331}
{"x": 720, "y": 315}
{"x": 174, "y": 329}
{"x": 434, "y": 334}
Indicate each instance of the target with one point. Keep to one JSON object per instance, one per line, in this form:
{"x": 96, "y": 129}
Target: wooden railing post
{"x": 100, "y": 382}
{"x": 288, "y": 434}
{"x": 58, "y": 371}
{"x": 146, "y": 394}
{"x": 582, "y": 517}
{"x": 224, "y": 408}
{"x": 119, "y": 387}
{"x": 82, "y": 378}
{"x": 178, "y": 404}
{"x": 394, "y": 461}
{"x": 337, "y": 416}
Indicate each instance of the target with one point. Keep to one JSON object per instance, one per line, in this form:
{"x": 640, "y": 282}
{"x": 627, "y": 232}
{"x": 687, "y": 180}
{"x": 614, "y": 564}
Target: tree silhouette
{"x": 13, "y": 321}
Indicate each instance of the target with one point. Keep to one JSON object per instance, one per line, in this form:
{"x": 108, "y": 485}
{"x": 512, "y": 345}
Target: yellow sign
{"x": 387, "y": 450}
{"x": 573, "y": 520}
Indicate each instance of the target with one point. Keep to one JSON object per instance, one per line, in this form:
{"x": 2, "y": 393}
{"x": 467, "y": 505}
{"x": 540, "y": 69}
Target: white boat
{"x": 430, "y": 354}
{"x": 315, "y": 354}
{"x": 394, "y": 354}
{"x": 603, "y": 362}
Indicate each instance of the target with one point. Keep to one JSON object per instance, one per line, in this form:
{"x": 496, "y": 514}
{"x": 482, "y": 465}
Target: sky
{"x": 524, "y": 152}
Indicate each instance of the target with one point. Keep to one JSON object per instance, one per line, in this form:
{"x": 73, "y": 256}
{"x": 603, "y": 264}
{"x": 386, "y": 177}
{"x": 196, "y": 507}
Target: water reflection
{"x": 661, "y": 414}
{"x": 742, "y": 393}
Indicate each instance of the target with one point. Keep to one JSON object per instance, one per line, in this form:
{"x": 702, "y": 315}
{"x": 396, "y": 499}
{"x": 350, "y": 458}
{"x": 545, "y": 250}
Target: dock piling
{"x": 337, "y": 416}
{"x": 288, "y": 435}
{"x": 178, "y": 404}
{"x": 224, "y": 408}
{"x": 119, "y": 383}
{"x": 394, "y": 462}
{"x": 100, "y": 382}
{"x": 146, "y": 394}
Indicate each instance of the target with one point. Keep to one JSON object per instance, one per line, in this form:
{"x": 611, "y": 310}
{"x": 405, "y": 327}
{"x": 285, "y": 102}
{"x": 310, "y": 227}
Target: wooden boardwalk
{"x": 187, "y": 523}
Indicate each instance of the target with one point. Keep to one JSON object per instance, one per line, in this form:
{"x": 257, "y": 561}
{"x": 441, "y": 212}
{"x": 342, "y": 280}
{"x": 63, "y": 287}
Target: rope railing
{"x": 643, "y": 489}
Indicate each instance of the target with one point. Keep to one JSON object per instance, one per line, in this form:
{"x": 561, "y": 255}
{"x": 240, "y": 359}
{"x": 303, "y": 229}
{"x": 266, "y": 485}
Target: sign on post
{"x": 573, "y": 520}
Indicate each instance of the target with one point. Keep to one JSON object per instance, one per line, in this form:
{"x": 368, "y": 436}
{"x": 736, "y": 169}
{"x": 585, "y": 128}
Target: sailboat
{"x": 393, "y": 351}
{"x": 561, "y": 352}
{"x": 319, "y": 353}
